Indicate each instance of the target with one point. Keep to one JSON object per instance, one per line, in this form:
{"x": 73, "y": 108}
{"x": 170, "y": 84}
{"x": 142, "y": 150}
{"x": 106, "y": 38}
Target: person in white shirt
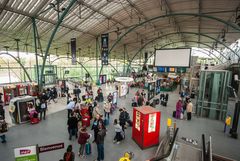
{"x": 119, "y": 136}
{"x": 71, "y": 106}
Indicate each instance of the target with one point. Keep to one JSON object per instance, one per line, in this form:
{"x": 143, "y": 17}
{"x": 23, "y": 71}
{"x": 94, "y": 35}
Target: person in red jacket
{"x": 82, "y": 140}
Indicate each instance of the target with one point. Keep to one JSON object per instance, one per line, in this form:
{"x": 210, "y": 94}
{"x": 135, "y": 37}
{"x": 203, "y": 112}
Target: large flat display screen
{"x": 173, "y": 57}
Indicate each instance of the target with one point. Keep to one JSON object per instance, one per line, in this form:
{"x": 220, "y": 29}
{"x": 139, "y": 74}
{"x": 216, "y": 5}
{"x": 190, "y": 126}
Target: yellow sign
{"x": 169, "y": 122}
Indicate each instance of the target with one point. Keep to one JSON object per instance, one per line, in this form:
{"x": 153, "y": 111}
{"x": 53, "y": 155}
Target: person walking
{"x": 119, "y": 132}
{"x": 179, "y": 108}
{"x": 43, "y": 109}
{"x": 107, "y": 107}
{"x": 122, "y": 118}
{"x": 82, "y": 140}
{"x": 71, "y": 106}
{"x": 189, "y": 109}
{"x": 72, "y": 126}
{"x": 69, "y": 154}
{"x": 100, "y": 142}
{"x": 98, "y": 120}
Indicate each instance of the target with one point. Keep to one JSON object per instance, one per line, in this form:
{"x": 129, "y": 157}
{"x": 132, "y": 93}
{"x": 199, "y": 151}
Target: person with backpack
{"x": 100, "y": 142}
{"x": 82, "y": 140}
{"x": 69, "y": 154}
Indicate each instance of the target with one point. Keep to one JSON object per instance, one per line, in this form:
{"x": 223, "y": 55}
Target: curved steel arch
{"x": 76, "y": 61}
{"x": 191, "y": 33}
{"x": 179, "y": 41}
{"x": 19, "y": 62}
{"x": 205, "y": 53}
{"x": 71, "y": 3}
{"x": 169, "y": 15}
{"x": 170, "y": 44}
{"x": 173, "y": 14}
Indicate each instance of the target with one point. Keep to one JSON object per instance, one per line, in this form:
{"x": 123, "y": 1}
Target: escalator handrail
{"x": 169, "y": 151}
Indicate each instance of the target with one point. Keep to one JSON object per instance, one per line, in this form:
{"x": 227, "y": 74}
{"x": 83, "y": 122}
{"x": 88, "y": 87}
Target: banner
{"x": 50, "y": 147}
{"x": 26, "y": 153}
{"x": 104, "y": 47}
{"x": 73, "y": 51}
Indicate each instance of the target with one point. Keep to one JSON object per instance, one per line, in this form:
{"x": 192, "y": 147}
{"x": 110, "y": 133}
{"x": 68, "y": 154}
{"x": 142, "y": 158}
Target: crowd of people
{"x": 81, "y": 111}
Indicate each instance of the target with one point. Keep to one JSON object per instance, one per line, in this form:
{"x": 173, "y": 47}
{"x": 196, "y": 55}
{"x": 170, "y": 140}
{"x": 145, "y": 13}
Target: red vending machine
{"x": 21, "y": 89}
{"x": 146, "y": 126}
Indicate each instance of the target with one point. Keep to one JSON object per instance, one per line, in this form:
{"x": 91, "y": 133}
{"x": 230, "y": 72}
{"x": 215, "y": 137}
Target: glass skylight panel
{"x": 20, "y": 22}
{"x": 6, "y": 19}
{"x": 111, "y": 8}
{"x": 12, "y": 2}
{"x": 16, "y": 20}
{"x": 93, "y": 20}
{"x": 35, "y": 6}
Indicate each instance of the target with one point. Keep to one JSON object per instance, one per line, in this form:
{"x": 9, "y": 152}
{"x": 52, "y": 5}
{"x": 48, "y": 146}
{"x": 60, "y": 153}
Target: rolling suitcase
{"x": 88, "y": 148}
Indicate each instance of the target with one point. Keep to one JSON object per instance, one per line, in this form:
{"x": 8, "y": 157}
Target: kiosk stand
{"x": 146, "y": 126}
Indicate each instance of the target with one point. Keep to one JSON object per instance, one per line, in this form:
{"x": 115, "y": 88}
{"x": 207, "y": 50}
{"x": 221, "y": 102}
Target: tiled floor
{"x": 54, "y": 130}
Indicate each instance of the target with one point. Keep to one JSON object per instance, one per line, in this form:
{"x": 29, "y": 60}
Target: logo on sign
{"x": 25, "y": 151}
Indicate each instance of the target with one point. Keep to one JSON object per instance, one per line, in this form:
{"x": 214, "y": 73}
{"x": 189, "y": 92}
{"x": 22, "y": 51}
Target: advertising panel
{"x": 28, "y": 153}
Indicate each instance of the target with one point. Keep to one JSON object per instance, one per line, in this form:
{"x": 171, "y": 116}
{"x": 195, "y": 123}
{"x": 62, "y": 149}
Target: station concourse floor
{"x": 54, "y": 130}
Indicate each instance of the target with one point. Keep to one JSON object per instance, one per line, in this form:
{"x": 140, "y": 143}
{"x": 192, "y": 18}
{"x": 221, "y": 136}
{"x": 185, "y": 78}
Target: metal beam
{"x": 76, "y": 61}
{"x": 19, "y": 62}
{"x": 105, "y": 15}
{"x": 175, "y": 21}
{"x": 3, "y": 5}
{"x": 27, "y": 23}
{"x": 199, "y": 19}
{"x": 192, "y": 33}
{"x": 41, "y": 18}
{"x": 170, "y": 15}
{"x": 99, "y": 8}
{"x": 72, "y": 2}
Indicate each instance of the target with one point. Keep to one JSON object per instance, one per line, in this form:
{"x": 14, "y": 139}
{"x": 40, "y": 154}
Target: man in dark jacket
{"x": 100, "y": 142}
{"x": 72, "y": 126}
{"x": 122, "y": 118}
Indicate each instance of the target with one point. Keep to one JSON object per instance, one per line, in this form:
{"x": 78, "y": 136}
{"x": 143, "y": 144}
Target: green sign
{"x": 28, "y": 153}
{"x": 27, "y": 158}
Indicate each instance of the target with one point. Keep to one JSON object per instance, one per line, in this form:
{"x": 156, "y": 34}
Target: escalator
{"x": 170, "y": 149}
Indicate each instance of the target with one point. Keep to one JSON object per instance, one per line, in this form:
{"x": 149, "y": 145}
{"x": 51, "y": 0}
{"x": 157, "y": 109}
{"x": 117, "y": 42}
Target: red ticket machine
{"x": 146, "y": 126}
{"x": 21, "y": 89}
{"x": 9, "y": 92}
{"x": 32, "y": 89}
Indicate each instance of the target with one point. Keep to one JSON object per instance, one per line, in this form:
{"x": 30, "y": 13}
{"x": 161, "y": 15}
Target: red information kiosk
{"x": 146, "y": 126}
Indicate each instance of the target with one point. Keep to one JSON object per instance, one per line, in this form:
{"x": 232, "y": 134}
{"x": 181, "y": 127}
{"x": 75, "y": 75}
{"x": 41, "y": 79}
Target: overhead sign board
{"x": 104, "y": 49}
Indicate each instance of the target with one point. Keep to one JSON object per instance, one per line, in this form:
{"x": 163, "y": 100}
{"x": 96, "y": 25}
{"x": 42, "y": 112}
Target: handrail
{"x": 169, "y": 151}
